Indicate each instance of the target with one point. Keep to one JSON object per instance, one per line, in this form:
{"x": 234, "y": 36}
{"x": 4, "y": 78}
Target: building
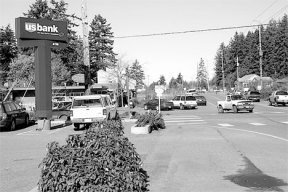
{"x": 253, "y": 80}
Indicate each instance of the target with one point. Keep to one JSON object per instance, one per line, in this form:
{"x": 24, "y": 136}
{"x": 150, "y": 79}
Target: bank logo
{"x": 36, "y": 27}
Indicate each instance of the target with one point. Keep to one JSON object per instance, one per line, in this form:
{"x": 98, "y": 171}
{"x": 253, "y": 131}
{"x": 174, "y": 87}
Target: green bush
{"x": 154, "y": 120}
{"x": 101, "y": 159}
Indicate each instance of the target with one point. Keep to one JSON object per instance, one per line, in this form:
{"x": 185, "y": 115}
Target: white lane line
{"x": 24, "y": 133}
{"x": 257, "y": 124}
{"x": 286, "y": 122}
{"x": 268, "y": 135}
{"x": 191, "y": 123}
{"x": 278, "y": 112}
{"x": 168, "y": 119}
{"x": 226, "y": 125}
{"x": 184, "y": 121}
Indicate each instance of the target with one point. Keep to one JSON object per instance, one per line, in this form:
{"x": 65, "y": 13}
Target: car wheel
{"x": 276, "y": 104}
{"x": 220, "y": 109}
{"x": 26, "y": 122}
{"x": 181, "y": 106}
{"x": 251, "y": 111}
{"x": 235, "y": 110}
{"x": 13, "y": 125}
{"x": 77, "y": 126}
{"x": 145, "y": 107}
{"x": 270, "y": 103}
{"x": 64, "y": 117}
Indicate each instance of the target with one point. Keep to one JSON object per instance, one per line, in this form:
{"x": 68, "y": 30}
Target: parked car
{"x": 153, "y": 104}
{"x": 12, "y": 115}
{"x": 200, "y": 100}
{"x": 184, "y": 101}
{"x": 89, "y": 109}
{"x": 253, "y": 96}
{"x": 278, "y": 97}
{"x": 61, "y": 110}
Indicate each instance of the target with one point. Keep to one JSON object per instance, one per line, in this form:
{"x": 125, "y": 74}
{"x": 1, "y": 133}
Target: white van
{"x": 89, "y": 109}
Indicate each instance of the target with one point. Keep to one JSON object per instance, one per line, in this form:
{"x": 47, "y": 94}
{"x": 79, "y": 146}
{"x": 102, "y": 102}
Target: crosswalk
{"x": 184, "y": 120}
{"x": 197, "y": 120}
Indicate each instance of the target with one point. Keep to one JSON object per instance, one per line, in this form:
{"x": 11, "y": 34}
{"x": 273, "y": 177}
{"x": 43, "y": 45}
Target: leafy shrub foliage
{"x": 154, "y": 120}
{"x": 101, "y": 159}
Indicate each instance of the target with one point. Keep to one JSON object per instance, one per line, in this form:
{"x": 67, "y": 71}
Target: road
{"x": 200, "y": 150}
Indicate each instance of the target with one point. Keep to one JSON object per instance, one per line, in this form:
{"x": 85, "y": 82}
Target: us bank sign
{"x": 41, "y": 29}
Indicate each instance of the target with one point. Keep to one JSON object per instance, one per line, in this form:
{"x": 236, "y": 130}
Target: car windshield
{"x": 237, "y": 97}
{"x": 190, "y": 98}
{"x": 199, "y": 97}
{"x": 282, "y": 93}
{"x": 87, "y": 102}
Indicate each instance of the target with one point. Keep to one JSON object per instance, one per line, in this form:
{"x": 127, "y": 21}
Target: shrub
{"x": 154, "y": 120}
{"x": 101, "y": 159}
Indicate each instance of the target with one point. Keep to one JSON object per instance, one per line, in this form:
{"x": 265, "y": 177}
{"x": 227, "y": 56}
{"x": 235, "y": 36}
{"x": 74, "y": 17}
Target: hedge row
{"x": 101, "y": 159}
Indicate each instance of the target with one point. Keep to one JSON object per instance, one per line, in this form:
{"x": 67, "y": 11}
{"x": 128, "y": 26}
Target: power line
{"x": 278, "y": 12}
{"x": 190, "y": 31}
{"x": 265, "y": 9}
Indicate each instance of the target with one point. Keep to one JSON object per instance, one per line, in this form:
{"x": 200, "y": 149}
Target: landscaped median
{"x": 148, "y": 122}
{"x": 101, "y": 159}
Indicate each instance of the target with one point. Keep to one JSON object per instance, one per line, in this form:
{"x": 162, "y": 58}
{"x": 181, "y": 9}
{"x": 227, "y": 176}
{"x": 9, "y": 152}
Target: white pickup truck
{"x": 278, "y": 97}
{"x": 235, "y": 103}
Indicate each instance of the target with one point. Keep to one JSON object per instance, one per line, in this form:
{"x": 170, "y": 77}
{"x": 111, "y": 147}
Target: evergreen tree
{"x": 162, "y": 80}
{"x": 202, "y": 75}
{"x": 136, "y": 72}
{"x": 8, "y": 51}
{"x": 101, "y": 46}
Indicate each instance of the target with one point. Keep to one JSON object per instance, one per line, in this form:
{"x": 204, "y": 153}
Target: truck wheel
{"x": 220, "y": 109}
{"x": 251, "y": 111}
{"x": 270, "y": 103}
{"x": 13, "y": 125}
{"x": 26, "y": 122}
{"x": 276, "y": 104}
{"x": 235, "y": 110}
{"x": 145, "y": 107}
{"x": 181, "y": 106}
{"x": 77, "y": 126}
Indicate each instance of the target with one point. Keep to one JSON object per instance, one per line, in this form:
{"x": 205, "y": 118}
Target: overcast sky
{"x": 167, "y": 55}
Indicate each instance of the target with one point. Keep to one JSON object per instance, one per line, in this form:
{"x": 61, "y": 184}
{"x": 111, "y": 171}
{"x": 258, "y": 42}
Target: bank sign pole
{"x": 42, "y": 35}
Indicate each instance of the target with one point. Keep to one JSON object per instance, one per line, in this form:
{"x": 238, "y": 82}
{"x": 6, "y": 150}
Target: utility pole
{"x": 223, "y": 80}
{"x": 261, "y": 55}
{"x": 237, "y": 73}
{"x": 86, "y": 57}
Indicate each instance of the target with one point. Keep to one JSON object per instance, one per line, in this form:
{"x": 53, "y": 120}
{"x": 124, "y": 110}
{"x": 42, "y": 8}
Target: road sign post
{"x": 159, "y": 89}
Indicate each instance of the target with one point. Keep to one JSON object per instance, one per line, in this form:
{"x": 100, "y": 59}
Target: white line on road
{"x": 268, "y": 135}
{"x": 257, "y": 124}
{"x": 24, "y": 133}
{"x": 167, "y": 119}
{"x": 286, "y": 122}
{"x": 184, "y": 121}
{"x": 278, "y": 112}
{"x": 199, "y": 123}
{"x": 226, "y": 125}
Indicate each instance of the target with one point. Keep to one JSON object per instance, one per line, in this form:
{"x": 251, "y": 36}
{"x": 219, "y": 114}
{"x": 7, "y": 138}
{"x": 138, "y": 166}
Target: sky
{"x": 167, "y": 55}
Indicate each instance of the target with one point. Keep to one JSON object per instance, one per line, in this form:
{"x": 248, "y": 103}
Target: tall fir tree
{"x": 8, "y": 51}
{"x": 100, "y": 46}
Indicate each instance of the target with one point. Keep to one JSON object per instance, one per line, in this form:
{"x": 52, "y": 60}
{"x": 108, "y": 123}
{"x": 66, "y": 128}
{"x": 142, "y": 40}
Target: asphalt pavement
{"x": 191, "y": 154}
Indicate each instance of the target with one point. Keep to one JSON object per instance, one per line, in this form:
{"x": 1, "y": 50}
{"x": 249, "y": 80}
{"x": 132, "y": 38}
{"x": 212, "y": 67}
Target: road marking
{"x": 199, "y": 123}
{"x": 180, "y": 118}
{"x": 286, "y": 122}
{"x": 24, "y": 133}
{"x": 257, "y": 124}
{"x": 268, "y": 135}
{"x": 184, "y": 121}
{"x": 278, "y": 112}
{"x": 226, "y": 125}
